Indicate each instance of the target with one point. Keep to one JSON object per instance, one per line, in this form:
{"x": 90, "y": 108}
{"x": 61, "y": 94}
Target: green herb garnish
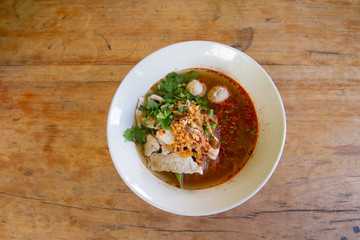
{"x": 136, "y": 134}
{"x": 128, "y": 135}
{"x": 172, "y": 89}
{"x": 180, "y": 178}
{"x": 181, "y": 109}
{"x": 190, "y": 75}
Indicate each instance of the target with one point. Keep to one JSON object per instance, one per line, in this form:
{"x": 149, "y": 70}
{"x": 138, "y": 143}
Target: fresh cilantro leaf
{"x": 159, "y": 91}
{"x": 165, "y": 122}
{"x": 152, "y": 105}
{"x": 202, "y": 101}
{"x": 169, "y": 85}
{"x": 128, "y": 135}
{"x": 190, "y": 75}
{"x": 136, "y": 134}
{"x": 181, "y": 109}
{"x": 152, "y": 108}
{"x": 140, "y": 135}
{"x": 171, "y": 76}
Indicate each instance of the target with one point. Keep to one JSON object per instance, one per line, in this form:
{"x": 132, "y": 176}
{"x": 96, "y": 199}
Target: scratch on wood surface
{"x": 68, "y": 206}
{"x": 62, "y": 205}
{"x": 49, "y": 47}
{"x": 115, "y": 209}
{"x": 106, "y": 41}
{"x": 345, "y": 220}
{"x": 20, "y": 196}
{"x": 255, "y": 214}
{"x": 327, "y": 229}
{"x": 323, "y": 52}
{"x": 115, "y": 227}
{"x": 283, "y": 204}
{"x": 345, "y": 195}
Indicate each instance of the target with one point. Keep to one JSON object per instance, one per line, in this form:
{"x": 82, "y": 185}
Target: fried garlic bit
{"x": 188, "y": 130}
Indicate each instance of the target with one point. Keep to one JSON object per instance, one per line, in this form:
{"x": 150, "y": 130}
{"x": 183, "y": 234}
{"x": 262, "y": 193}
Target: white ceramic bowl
{"x": 271, "y": 119}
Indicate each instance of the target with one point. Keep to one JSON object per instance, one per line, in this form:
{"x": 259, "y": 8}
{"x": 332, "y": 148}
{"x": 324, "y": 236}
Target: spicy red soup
{"x": 237, "y": 131}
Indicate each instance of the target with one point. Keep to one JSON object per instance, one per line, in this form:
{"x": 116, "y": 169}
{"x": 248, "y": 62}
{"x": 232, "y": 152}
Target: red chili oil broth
{"x": 237, "y": 129}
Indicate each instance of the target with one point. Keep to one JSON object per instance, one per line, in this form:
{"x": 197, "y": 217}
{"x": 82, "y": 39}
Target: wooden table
{"x": 62, "y": 61}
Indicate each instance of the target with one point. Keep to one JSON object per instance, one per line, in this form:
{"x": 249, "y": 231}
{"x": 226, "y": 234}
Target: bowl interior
{"x": 198, "y": 54}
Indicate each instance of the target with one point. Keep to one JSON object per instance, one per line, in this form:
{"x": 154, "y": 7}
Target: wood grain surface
{"x": 62, "y": 61}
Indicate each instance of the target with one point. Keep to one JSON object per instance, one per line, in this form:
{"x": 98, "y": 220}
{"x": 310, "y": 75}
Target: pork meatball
{"x": 218, "y": 94}
{"x": 196, "y": 88}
